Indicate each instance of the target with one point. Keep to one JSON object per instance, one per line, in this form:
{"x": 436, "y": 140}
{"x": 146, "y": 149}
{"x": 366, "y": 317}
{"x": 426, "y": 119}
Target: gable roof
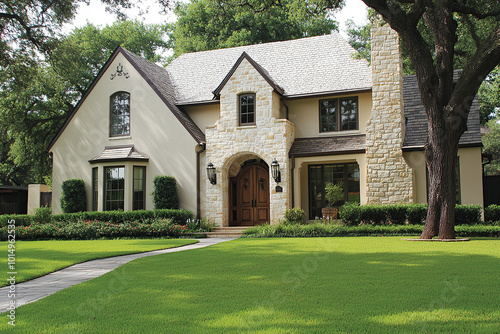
{"x": 416, "y": 119}
{"x": 300, "y": 67}
{"x": 157, "y": 77}
{"x": 259, "y": 69}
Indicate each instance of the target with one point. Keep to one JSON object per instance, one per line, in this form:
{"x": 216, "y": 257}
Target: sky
{"x": 95, "y": 13}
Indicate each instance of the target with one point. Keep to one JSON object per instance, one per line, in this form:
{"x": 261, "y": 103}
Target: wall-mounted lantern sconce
{"x": 211, "y": 173}
{"x": 275, "y": 171}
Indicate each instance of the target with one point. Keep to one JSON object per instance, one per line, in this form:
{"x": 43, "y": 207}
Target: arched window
{"x": 120, "y": 114}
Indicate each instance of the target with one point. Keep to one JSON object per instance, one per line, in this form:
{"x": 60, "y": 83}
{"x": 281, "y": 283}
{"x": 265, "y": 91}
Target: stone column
{"x": 389, "y": 178}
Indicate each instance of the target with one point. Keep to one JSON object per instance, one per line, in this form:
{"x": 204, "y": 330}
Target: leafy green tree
{"x": 214, "y": 24}
{"x": 36, "y": 96}
{"x": 489, "y": 96}
{"x": 447, "y": 105}
{"x": 491, "y": 142}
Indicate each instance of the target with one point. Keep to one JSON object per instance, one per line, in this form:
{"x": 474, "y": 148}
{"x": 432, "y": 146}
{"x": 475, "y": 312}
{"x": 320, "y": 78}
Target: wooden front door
{"x": 252, "y": 196}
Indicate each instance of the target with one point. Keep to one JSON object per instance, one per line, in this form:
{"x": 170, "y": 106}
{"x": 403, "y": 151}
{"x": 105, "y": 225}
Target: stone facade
{"x": 228, "y": 145}
{"x": 389, "y": 178}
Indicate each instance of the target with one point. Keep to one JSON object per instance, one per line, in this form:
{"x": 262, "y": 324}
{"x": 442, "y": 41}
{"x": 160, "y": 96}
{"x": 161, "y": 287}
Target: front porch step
{"x": 227, "y": 232}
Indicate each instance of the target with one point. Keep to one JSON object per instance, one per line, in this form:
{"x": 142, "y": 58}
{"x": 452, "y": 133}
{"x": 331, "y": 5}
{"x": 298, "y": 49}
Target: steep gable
{"x": 157, "y": 78}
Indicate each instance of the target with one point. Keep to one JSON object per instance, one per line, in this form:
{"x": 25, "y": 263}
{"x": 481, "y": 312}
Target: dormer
{"x": 248, "y": 95}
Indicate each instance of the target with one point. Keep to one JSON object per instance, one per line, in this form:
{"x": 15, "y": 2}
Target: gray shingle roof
{"x": 328, "y": 145}
{"x": 416, "y": 125}
{"x": 119, "y": 153}
{"x": 159, "y": 80}
{"x": 301, "y": 66}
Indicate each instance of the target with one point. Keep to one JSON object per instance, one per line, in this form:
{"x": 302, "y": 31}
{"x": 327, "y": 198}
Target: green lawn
{"x": 317, "y": 285}
{"x": 38, "y": 258}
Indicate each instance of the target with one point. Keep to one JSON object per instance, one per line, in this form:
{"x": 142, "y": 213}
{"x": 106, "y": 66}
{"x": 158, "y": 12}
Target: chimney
{"x": 389, "y": 178}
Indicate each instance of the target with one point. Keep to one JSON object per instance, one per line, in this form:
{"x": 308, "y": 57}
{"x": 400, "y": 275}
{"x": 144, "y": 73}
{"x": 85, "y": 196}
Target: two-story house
{"x": 251, "y": 131}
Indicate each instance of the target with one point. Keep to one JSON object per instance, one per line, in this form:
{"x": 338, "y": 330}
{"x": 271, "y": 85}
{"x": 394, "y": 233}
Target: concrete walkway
{"x": 38, "y": 288}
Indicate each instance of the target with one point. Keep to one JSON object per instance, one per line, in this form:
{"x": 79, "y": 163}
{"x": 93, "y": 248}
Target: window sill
{"x": 242, "y": 127}
{"x": 340, "y": 133}
{"x": 120, "y": 137}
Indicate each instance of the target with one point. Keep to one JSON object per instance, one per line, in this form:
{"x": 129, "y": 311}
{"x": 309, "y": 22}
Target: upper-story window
{"x": 247, "y": 109}
{"x": 338, "y": 114}
{"x": 120, "y": 114}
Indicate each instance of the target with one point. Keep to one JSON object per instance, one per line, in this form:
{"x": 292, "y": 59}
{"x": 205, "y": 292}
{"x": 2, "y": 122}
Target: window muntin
{"x": 139, "y": 194}
{"x": 120, "y": 114}
{"x": 320, "y": 175}
{"x": 114, "y": 188}
{"x": 246, "y": 109}
{"x": 95, "y": 188}
{"x": 338, "y": 114}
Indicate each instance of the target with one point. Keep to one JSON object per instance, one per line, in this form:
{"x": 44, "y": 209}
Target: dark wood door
{"x": 252, "y": 199}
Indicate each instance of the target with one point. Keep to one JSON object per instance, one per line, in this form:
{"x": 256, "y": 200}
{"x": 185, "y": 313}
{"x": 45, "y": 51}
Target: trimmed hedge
{"x": 492, "y": 213}
{"x": 165, "y": 194}
{"x": 117, "y": 217}
{"x": 322, "y": 230}
{"x": 84, "y": 230}
{"x": 73, "y": 198}
{"x": 400, "y": 214}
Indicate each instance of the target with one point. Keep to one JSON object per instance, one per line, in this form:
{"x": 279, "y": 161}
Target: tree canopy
{"x": 36, "y": 95}
{"x": 213, "y": 24}
{"x": 430, "y": 31}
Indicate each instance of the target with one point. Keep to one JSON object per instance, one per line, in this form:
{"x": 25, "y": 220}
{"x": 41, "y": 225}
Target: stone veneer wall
{"x": 389, "y": 178}
{"x": 228, "y": 144}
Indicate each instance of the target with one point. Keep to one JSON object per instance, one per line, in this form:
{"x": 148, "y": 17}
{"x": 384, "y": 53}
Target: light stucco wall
{"x": 154, "y": 131}
{"x": 304, "y": 113}
{"x": 471, "y": 183}
{"x": 301, "y": 176}
{"x": 203, "y": 115}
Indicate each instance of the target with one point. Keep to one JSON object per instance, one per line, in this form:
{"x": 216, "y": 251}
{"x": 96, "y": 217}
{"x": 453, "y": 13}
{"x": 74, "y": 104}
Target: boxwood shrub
{"x": 73, "y": 198}
{"x": 492, "y": 213}
{"x": 165, "y": 194}
{"x": 179, "y": 216}
{"x": 413, "y": 214}
{"x": 322, "y": 230}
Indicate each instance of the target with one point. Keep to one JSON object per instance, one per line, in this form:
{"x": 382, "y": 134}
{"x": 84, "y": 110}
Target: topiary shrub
{"x": 73, "y": 198}
{"x": 165, "y": 194}
{"x": 295, "y": 216}
{"x": 350, "y": 214}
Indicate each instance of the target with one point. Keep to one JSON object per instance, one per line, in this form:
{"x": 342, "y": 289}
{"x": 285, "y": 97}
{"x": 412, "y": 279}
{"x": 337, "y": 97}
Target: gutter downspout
{"x": 200, "y": 148}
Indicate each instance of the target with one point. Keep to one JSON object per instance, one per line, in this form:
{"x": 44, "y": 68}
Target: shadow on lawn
{"x": 280, "y": 287}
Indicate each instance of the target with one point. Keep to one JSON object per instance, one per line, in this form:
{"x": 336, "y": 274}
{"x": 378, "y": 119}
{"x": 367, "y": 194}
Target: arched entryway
{"x": 249, "y": 195}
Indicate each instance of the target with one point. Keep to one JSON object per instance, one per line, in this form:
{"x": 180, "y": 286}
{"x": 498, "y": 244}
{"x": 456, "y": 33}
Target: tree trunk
{"x": 441, "y": 159}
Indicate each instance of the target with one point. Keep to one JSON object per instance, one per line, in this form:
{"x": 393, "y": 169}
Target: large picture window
{"x": 120, "y": 114}
{"x": 338, "y": 114}
{"x": 114, "y": 188}
{"x": 247, "y": 109}
{"x": 320, "y": 175}
{"x": 139, "y": 188}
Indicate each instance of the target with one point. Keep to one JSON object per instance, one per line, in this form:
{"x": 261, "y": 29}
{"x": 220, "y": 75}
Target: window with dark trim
{"x": 114, "y": 188}
{"x": 246, "y": 106}
{"x": 139, "y": 188}
{"x": 338, "y": 114}
{"x": 95, "y": 188}
{"x": 320, "y": 175}
{"x": 119, "y": 114}
{"x": 458, "y": 196}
